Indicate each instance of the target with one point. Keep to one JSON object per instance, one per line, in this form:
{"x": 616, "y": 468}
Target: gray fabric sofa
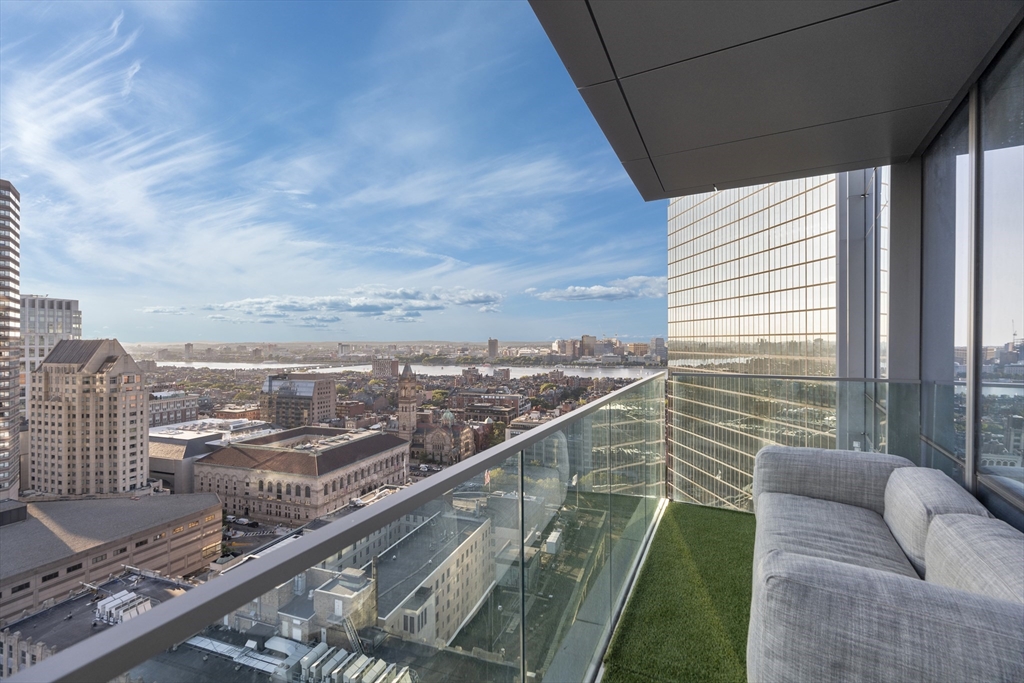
{"x": 867, "y": 568}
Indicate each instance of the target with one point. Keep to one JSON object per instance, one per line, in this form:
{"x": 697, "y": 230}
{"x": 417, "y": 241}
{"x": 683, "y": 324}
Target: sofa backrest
{"x": 976, "y": 554}
{"x": 916, "y": 495}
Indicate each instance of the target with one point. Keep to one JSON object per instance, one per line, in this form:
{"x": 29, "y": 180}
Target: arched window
{"x": 325, "y": 489}
{"x": 279, "y": 490}
{"x": 334, "y": 485}
{"x": 288, "y": 490}
{"x": 261, "y": 485}
{"x": 349, "y": 480}
{"x": 307, "y": 492}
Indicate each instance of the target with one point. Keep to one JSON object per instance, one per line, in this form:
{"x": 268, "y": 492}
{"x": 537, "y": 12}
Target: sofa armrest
{"x": 819, "y": 620}
{"x": 851, "y": 477}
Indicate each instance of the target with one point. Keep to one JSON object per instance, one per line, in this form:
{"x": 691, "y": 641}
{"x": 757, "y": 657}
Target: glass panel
{"x": 1002, "y": 375}
{"x": 720, "y": 422}
{"x": 514, "y": 570}
{"x": 944, "y": 294}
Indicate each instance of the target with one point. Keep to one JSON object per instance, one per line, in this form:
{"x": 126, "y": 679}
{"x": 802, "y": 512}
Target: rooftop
{"x": 310, "y": 451}
{"x": 60, "y": 529}
{"x": 71, "y": 621}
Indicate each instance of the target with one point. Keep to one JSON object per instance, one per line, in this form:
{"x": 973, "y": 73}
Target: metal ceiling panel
{"x": 609, "y": 108}
{"x": 668, "y": 31}
{"x": 572, "y": 32}
{"x": 750, "y": 91}
{"x": 856, "y": 143}
{"x": 892, "y": 57}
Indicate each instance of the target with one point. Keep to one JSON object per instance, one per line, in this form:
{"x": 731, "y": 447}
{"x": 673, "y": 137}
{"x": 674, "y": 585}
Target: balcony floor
{"x": 687, "y": 617}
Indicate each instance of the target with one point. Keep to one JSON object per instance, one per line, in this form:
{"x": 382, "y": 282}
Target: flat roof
{"x": 694, "y": 95}
{"x": 59, "y": 529}
{"x": 403, "y": 567}
{"x": 71, "y": 621}
{"x": 309, "y": 451}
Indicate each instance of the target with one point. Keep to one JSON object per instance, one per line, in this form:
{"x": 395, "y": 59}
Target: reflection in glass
{"x": 1002, "y": 314}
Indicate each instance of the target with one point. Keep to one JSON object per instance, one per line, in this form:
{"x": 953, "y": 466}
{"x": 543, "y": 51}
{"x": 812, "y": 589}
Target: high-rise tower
{"x": 10, "y": 333}
{"x": 88, "y": 429}
{"x": 44, "y": 322}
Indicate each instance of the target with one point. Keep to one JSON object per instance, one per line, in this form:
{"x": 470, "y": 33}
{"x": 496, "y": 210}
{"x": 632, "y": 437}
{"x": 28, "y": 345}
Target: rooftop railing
{"x": 510, "y": 566}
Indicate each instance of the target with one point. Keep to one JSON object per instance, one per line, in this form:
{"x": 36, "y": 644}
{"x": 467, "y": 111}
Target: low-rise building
{"x": 249, "y": 411}
{"x": 173, "y": 449}
{"x": 32, "y": 639}
{"x": 51, "y": 548}
{"x": 299, "y": 474}
{"x": 172, "y": 407}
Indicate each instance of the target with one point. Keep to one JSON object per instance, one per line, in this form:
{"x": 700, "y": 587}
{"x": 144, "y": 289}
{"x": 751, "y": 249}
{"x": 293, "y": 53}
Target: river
{"x": 429, "y": 370}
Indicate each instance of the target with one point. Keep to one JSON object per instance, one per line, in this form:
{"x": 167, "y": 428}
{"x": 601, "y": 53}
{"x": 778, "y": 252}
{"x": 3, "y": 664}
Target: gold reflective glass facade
{"x": 752, "y": 290}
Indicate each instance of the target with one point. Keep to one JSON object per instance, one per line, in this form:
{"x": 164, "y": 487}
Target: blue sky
{"x": 318, "y": 171}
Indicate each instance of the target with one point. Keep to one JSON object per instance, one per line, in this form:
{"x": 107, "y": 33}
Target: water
{"x": 429, "y": 370}
{"x": 230, "y": 366}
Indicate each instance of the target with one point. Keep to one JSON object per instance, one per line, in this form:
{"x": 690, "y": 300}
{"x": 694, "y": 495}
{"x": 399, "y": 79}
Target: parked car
{"x": 253, "y": 524}
{"x": 231, "y": 518}
{"x": 357, "y": 503}
{"x": 243, "y": 521}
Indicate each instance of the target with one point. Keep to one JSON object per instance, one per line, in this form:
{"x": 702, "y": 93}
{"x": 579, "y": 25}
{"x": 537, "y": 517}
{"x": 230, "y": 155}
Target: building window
{"x": 288, "y": 490}
{"x": 20, "y": 587}
{"x": 178, "y": 529}
{"x": 139, "y": 544}
{"x": 261, "y": 485}
{"x": 74, "y": 568}
{"x": 307, "y": 492}
{"x": 51, "y": 576}
{"x": 99, "y": 558}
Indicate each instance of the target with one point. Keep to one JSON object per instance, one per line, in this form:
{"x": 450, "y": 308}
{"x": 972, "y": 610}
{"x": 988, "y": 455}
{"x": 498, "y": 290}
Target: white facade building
{"x": 44, "y": 322}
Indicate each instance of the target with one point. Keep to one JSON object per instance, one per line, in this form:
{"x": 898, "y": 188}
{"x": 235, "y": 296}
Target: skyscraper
{"x": 44, "y": 322}
{"x": 492, "y": 349}
{"x": 10, "y": 277}
{"x": 88, "y": 414}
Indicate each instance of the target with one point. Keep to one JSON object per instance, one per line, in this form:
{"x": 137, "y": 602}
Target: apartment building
{"x": 10, "y": 278}
{"x": 172, "y": 407}
{"x": 87, "y": 418}
{"x": 291, "y": 401}
{"x": 44, "y": 322}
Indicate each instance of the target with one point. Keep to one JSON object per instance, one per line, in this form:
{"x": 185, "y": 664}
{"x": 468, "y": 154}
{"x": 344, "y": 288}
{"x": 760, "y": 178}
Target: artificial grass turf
{"x": 687, "y": 617}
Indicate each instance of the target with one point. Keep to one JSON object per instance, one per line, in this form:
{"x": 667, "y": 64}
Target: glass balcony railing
{"x": 510, "y": 566}
{"x": 718, "y": 423}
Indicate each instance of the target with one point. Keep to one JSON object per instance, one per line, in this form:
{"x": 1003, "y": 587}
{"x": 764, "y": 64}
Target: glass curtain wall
{"x": 752, "y": 291}
{"x": 1000, "y": 421}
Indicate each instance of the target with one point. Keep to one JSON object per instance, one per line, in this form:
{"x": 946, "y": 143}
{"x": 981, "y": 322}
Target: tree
{"x": 497, "y": 434}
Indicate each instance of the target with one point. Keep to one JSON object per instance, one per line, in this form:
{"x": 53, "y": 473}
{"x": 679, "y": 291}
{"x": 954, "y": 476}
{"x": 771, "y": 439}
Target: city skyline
{"x": 183, "y": 182}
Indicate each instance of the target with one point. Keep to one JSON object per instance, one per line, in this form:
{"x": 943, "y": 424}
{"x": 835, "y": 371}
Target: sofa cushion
{"x": 816, "y": 620}
{"x": 913, "y": 497}
{"x": 851, "y": 477}
{"x": 972, "y": 553}
{"x": 832, "y": 531}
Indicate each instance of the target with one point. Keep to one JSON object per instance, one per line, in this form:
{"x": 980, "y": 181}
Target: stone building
{"x": 87, "y": 418}
{"x": 296, "y": 475}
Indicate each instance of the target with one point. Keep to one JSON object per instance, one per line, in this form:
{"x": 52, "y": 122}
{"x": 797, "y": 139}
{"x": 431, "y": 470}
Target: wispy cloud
{"x": 636, "y": 287}
{"x": 167, "y": 310}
